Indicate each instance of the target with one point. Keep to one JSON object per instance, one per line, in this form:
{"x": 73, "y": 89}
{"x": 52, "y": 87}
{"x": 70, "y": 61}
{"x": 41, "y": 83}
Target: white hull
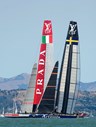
{"x": 11, "y": 115}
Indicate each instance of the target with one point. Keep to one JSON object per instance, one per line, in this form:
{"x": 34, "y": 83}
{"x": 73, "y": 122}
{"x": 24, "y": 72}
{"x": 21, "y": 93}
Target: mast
{"x": 48, "y": 99}
{"x": 42, "y": 76}
{"x": 28, "y": 101}
{"x": 67, "y": 89}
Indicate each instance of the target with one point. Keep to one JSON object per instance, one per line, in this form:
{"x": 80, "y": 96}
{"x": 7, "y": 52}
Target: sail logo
{"x": 40, "y": 75}
{"x": 72, "y": 30}
{"x": 48, "y": 27}
{"x": 71, "y": 41}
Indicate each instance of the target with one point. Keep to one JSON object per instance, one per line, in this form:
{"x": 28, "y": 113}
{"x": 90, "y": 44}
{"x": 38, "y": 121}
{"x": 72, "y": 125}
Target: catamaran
{"x": 43, "y": 100}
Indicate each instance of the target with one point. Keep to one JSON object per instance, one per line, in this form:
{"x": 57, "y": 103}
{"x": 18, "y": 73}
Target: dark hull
{"x": 43, "y": 116}
{"x": 52, "y": 116}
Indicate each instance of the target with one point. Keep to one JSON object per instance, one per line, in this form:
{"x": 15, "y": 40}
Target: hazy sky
{"x": 21, "y": 24}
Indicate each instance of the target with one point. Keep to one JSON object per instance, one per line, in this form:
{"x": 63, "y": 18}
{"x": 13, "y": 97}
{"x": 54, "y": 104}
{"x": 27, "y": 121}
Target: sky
{"x": 21, "y": 23}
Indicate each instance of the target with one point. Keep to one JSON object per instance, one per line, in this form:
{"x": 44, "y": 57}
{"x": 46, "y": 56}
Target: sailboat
{"x": 47, "y": 102}
{"x": 26, "y": 107}
{"x": 40, "y": 76}
{"x": 2, "y": 114}
{"x": 45, "y": 63}
{"x": 68, "y": 85}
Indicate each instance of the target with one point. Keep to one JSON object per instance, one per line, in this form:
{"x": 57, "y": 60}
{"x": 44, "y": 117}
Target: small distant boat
{"x": 2, "y": 114}
{"x": 85, "y": 114}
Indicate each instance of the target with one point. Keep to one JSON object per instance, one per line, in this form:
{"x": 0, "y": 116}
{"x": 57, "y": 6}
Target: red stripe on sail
{"x": 40, "y": 75}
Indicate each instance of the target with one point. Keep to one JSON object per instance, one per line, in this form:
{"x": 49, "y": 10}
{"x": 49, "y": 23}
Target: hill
{"x": 18, "y": 82}
{"x": 85, "y": 102}
{"x": 91, "y": 86}
{"x": 21, "y": 82}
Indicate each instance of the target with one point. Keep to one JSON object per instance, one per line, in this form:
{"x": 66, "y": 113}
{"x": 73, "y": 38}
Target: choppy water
{"x": 29, "y": 122}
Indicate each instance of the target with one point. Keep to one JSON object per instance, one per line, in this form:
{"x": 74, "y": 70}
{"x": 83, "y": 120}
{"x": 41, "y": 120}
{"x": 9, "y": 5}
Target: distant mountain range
{"x": 18, "y": 82}
{"x": 21, "y": 82}
{"x": 91, "y": 86}
{"x": 14, "y": 89}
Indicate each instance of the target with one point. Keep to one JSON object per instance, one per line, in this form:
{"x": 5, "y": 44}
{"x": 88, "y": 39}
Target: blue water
{"x": 55, "y": 122}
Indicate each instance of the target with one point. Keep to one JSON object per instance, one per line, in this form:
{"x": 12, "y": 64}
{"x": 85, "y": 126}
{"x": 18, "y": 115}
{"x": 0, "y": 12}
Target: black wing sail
{"x": 48, "y": 99}
{"x": 68, "y": 74}
{"x": 72, "y": 69}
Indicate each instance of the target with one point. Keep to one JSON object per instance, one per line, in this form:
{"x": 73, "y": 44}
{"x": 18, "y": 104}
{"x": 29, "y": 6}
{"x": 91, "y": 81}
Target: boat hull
{"x": 52, "y": 116}
{"x": 10, "y": 115}
{"x": 39, "y": 116}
